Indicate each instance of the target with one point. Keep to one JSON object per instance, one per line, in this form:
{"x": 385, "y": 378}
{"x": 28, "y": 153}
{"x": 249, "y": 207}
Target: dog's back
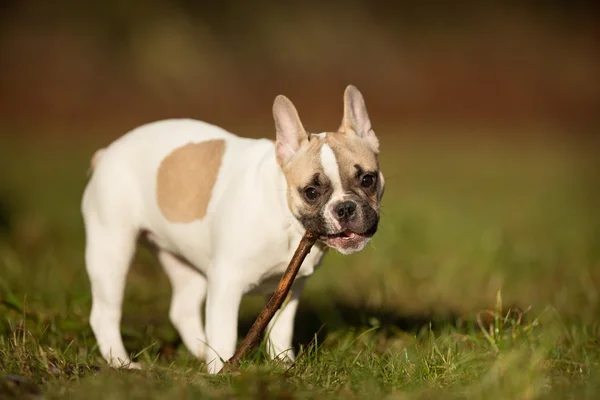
{"x": 231, "y": 208}
{"x": 147, "y": 162}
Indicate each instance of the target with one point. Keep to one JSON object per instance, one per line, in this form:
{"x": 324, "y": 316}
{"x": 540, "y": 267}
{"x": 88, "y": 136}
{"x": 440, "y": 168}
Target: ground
{"x": 482, "y": 282}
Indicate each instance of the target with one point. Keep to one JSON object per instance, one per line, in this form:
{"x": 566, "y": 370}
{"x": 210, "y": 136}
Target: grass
{"x": 483, "y": 282}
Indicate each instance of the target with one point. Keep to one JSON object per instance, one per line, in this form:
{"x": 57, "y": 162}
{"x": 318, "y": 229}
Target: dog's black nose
{"x": 345, "y": 210}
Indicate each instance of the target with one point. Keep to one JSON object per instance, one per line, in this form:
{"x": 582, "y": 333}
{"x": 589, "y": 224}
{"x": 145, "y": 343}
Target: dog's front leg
{"x": 281, "y": 328}
{"x": 222, "y": 306}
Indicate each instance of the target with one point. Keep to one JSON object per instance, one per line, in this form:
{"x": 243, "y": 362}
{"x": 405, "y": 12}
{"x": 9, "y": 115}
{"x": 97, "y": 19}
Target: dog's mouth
{"x": 346, "y": 241}
{"x": 352, "y": 237}
{"x": 345, "y": 235}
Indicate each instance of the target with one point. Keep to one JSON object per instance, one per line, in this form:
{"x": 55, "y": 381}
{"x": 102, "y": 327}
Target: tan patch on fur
{"x": 301, "y": 170}
{"x": 305, "y": 163}
{"x": 350, "y": 150}
{"x": 186, "y": 178}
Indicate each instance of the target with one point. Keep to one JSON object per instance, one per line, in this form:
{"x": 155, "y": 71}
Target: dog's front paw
{"x": 124, "y": 364}
{"x": 134, "y": 365}
{"x": 214, "y": 366}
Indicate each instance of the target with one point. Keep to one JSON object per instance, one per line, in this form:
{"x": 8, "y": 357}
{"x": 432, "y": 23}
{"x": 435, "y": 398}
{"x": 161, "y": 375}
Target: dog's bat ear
{"x": 289, "y": 128}
{"x": 356, "y": 119}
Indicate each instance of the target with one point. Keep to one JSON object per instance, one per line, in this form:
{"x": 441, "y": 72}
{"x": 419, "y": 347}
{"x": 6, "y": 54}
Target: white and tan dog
{"x": 225, "y": 215}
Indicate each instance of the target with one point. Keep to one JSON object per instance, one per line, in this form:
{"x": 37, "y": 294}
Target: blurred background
{"x": 488, "y": 113}
{"x": 70, "y": 65}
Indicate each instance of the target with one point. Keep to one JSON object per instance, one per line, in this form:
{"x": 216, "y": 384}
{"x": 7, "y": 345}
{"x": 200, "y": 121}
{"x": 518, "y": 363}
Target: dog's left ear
{"x": 356, "y": 119}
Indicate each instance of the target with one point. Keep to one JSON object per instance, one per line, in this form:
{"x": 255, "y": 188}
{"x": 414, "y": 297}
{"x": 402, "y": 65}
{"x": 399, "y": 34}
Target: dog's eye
{"x": 367, "y": 180}
{"x": 311, "y": 193}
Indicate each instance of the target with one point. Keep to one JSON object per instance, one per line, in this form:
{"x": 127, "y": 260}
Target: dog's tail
{"x": 95, "y": 160}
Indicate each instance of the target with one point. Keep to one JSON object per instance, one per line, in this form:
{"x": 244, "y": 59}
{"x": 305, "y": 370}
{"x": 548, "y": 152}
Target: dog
{"x": 224, "y": 215}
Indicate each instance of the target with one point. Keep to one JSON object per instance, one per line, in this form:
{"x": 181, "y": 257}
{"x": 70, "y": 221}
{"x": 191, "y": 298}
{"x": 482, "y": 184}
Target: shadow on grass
{"x": 320, "y": 321}
{"x": 338, "y": 317}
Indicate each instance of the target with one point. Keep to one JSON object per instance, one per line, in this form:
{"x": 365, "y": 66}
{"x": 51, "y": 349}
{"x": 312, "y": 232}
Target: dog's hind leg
{"x": 109, "y": 250}
{"x": 189, "y": 291}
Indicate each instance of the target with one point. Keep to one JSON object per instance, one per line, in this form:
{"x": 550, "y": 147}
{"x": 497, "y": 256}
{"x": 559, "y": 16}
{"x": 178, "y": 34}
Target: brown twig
{"x": 253, "y": 336}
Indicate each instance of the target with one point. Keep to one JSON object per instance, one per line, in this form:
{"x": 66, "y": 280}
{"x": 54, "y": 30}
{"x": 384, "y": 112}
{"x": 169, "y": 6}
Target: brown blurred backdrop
{"x": 80, "y": 67}
{"x": 485, "y": 111}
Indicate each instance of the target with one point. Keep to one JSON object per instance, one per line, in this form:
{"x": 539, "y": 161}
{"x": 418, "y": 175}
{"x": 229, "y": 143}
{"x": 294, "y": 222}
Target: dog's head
{"x": 334, "y": 184}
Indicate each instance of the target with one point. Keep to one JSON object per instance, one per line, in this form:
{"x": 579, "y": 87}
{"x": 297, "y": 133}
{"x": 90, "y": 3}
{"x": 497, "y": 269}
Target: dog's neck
{"x": 274, "y": 182}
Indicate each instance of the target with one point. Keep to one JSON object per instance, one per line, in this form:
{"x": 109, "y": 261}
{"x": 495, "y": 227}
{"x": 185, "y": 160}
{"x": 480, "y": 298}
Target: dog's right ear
{"x": 290, "y": 132}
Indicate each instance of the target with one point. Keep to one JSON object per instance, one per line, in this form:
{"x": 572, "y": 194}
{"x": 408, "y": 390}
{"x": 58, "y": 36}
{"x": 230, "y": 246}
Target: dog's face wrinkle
{"x": 323, "y": 188}
{"x": 372, "y": 190}
{"x": 366, "y": 217}
{"x": 314, "y": 223}
{"x": 354, "y": 159}
{"x": 370, "y": 220}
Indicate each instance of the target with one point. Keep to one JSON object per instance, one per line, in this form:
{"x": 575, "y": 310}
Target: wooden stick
{"x": 263, "y": 319}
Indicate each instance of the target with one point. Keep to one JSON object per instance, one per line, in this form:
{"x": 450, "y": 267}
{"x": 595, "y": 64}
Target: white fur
{"x": 332, "y": 170}
{"x": 242, "y": 245}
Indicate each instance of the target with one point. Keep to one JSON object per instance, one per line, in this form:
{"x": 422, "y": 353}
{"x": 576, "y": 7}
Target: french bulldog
{"x": 224, "y": 215}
